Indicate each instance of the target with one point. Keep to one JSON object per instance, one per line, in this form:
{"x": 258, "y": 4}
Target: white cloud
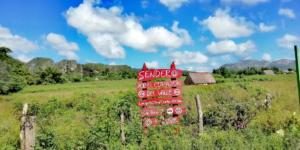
{"x": 222, "y": 25}
{"x": 266, "y": 28}
{"x": 108, "y": 30}
{"x": 287, "y": 13}
{"x": 199, "y": 68}
{"x": 15, "y": 42}
{"x": 247, "y": 58}
{"x": 23, "y": 58}
{"x": 187, "y": 57}
{"x": 246, "y": 2}
{"x": 152, "y": 64}
{"x": 222, "y": 47}
{"x": 62, "y": 46}
{"x": 113, "y": 63}
{"x": 173, "y": 4}
{"x": 189, "y": 68}
{"x": 226, "y": 57}
{"x": 288, "y": 41}
{"x": 229, "y": 46}
{"x": 266, "y": 57}
{"x": 183, "y": 33}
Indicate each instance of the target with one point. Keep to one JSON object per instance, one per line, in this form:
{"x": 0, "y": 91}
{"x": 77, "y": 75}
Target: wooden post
{"x": 297, "y": 70}
{"x": 173, "y": 66}
{"x": 123, "y": 140}
{"x": 27, "y": 134}
{"x": 145, "y": 130}
{"x": 200, "y": 114}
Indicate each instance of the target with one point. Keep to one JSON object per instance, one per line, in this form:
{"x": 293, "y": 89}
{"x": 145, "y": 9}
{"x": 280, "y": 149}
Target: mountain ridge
{"x": 283, "y": 64}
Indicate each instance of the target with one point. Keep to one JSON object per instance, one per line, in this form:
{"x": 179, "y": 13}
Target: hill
{"x": 39, "y": 63}
{"x": 73, "y": 67}
{"x": 283, "y": 64}
{"x": 15, "y": 74}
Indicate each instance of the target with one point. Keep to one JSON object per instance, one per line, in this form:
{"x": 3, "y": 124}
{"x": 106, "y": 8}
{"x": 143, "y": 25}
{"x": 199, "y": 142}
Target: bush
{"x": 50, "y": 75}
{"x": 229, "y": 113}
{"x": 15, "y": 84}
{"x": 45, "y": 140}
{"x": 13, "y": 73}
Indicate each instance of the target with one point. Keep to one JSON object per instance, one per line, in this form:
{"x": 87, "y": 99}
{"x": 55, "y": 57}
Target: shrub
{"x": 45, "y": 139}
{"x": 15, "y": 84}
{"x": 50, "y": 75}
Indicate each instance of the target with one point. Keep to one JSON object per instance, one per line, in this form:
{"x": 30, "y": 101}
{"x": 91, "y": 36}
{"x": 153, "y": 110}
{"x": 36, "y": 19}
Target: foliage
{"x": 105, "y": 72}
{"x": 13, "y": 73}
{"x": 4, "y": 51}
{"x": 229, "y": 73}
{"x": 86, "y": 115}
{"x": 50, "y": 75}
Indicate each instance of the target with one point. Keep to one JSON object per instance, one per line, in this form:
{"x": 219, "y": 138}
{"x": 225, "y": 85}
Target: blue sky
{"x": 198, "y": 35}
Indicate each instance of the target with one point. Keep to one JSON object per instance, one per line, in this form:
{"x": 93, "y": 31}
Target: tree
{"x": 13, "y": 73}
{"x": 276, "y": 70}
{"x": 4, "y": 52}
{"x": 50, "y": 75}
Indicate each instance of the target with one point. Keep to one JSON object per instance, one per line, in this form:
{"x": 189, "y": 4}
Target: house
{"x": 199, "y": 78}
{"x": 268, "y": 72}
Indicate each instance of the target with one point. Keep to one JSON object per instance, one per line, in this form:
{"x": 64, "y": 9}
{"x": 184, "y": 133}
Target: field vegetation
{"x": 85, "y": 115}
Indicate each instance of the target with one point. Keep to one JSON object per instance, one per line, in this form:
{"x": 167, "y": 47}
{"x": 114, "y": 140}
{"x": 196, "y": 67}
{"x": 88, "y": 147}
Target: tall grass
{"x": 86, "y": 116}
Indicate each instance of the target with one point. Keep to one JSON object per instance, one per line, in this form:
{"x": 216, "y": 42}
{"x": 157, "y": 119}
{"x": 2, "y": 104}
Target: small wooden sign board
{"x": 160, "y": 99}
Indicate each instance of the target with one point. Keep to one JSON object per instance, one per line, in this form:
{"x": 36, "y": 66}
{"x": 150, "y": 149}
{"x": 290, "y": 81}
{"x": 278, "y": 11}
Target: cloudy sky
{"x": 197, "y": 34}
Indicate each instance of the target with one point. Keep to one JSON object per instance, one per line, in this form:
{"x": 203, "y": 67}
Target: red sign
{"x": 155, "y": 93}
{"x": 160, "y": 101}
{"x": 166, "y": 84}
{"x": 150, "y": 112}
{"x": 145, "y": 75}
{"x": 178, "y": 110}
{"x": 150, "y": 122}
{"x": 162, "y": 92}
{"x": 172, "y": 120}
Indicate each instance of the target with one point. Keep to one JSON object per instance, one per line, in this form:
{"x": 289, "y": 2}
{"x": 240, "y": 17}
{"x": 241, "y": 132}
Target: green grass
{"x": 74, "y": 115}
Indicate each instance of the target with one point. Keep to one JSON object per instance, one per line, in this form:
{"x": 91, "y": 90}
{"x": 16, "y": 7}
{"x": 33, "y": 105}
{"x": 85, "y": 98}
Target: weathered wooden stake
{"x": 123, "y": 140}
{"x": 27, "y": 134}
{"x": 200, "y": 114}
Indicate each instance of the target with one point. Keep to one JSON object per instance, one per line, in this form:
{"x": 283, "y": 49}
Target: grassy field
{"x": 86, "y": 116}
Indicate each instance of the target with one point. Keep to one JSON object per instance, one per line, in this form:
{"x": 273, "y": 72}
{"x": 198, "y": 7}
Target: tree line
{"x": 229, "y": 73}
{"x": 15, "y": 74}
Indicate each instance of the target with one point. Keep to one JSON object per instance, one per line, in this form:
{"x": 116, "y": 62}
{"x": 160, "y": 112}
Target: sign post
{"x": 160, "y": 101}
{"x": 297, "y": 59}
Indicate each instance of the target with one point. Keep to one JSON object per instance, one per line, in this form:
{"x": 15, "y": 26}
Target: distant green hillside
{"x": 15, "y": 74}
{"x": 92, "y": 70}
{"x": 39, "y": 63}
{"x": 283, "y": 64}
